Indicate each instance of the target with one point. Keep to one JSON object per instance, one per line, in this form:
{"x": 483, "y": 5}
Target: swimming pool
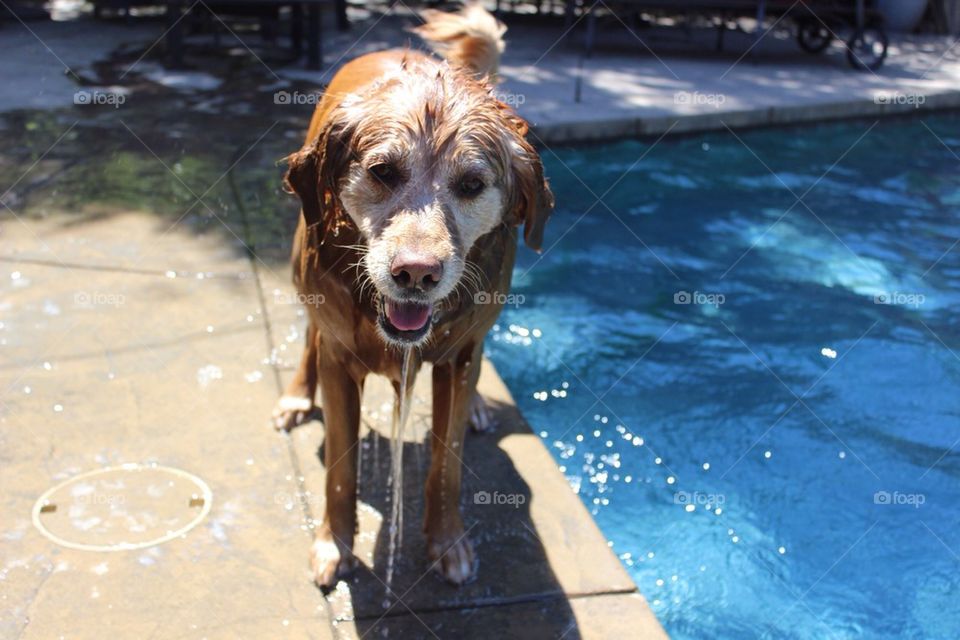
{"x": 746, "y": 362}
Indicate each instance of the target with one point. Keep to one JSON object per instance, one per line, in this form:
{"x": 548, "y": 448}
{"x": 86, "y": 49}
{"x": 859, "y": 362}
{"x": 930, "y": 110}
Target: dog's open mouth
{"x": 405, "y": 321}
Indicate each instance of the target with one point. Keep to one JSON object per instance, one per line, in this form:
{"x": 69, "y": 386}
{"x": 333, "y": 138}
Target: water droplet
{"x": 207, "y": 374}
{"x": 767, "y": 454}
{"x": 690, "y": 508}
{"x": 706, "y": 466}
{"x": 842, "y": 454}
{"x": 782, "y": 550}
{"x": 827, "y": 352}
{"x": 671, "y": 479}
{"x": 58, "y": 408}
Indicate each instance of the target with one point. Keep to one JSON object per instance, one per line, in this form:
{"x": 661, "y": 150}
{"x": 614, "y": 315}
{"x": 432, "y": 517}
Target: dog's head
{"x": 424, "y": 163}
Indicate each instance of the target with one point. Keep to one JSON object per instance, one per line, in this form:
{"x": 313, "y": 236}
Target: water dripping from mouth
{"x": 401, "y": 411}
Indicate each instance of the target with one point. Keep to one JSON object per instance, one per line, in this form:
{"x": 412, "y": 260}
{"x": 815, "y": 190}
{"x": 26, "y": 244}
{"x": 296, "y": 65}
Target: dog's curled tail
{"x": 472, "y": 38}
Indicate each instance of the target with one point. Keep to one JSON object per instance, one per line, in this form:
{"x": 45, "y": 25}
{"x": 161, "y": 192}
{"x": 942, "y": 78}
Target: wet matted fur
{"x": 413, "y": 182}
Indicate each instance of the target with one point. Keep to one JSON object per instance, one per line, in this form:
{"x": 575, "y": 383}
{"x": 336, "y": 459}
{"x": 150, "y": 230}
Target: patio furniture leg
{"x": 343, "y": 22}
{"x": 174, "y": 37}
{"x": 314, "y": 53}
{"x": 759, "y": 31}
{"x": 296, "y": 29}
{"x": 591, "y": 31}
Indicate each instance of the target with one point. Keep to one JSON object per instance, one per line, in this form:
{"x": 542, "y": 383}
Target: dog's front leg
{"x": 296, "y": 403}
{"x": 454, "y": 385}
{"x": 332, "y": 552}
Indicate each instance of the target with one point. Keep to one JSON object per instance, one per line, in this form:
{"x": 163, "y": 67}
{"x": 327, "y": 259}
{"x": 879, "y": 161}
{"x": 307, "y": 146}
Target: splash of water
{"x": 401, "y": 411}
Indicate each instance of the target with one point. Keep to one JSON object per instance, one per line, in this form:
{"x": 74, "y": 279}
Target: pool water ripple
{"x": 761, "y": 397}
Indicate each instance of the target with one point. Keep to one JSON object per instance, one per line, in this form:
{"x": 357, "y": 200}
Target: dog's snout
{"x": 414, "y": 270}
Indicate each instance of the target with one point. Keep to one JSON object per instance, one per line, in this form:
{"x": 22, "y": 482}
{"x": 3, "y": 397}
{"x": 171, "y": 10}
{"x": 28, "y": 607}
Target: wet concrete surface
{"x": 147, "y": 316}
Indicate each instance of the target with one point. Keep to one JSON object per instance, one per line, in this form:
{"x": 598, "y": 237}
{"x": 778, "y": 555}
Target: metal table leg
{"x": 759, "y": 32}
{"x": 343, "y": 23}
{"x": 314, "y": 49}
{"x": 174, "y": 37}
{"x": 296, "y": 29}
{"x": 591, "y": 34}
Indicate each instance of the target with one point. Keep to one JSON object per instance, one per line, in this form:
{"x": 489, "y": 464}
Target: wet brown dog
{"x": 413, "y": 181}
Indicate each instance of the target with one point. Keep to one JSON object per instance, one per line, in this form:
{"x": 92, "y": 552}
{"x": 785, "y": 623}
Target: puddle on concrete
{"x": 131, "y": 506}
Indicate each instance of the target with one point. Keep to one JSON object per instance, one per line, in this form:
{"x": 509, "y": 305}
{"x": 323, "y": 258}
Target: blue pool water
{"x": 774, "y": 458}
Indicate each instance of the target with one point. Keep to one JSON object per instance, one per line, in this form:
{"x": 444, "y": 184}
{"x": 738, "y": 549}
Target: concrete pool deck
{"x": 125, "y": 344}
{"x": 637, "y": 82}
{"x": 108, "y": 359}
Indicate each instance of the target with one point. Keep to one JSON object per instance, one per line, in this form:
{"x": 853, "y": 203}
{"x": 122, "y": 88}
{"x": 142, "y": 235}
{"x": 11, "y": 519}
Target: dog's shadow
{"x": 515, "y": 592}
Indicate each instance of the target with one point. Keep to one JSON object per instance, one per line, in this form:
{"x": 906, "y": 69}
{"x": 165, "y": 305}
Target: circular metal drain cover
{"x": 131, "y": 506}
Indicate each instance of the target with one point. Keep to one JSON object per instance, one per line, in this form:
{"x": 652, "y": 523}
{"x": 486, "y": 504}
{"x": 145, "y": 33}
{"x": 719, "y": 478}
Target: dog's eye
{"x": 385, "y": 173}
{"x": 470, "y": 186}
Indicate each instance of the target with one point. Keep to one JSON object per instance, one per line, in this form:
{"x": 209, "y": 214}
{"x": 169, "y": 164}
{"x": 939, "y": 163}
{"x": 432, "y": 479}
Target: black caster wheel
{"x": 813, "y": 37}
{"x": 867, "y": 48}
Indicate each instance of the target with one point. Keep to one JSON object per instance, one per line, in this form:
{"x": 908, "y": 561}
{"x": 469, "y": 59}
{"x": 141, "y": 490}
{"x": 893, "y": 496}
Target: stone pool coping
{"x": 644, "y": 126}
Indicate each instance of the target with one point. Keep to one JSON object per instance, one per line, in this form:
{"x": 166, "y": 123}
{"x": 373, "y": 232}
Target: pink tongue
{"x": 407, "y": 316}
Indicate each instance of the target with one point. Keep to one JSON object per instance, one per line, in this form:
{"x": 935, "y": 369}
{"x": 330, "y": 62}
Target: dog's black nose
{"x": 414, "y": 270}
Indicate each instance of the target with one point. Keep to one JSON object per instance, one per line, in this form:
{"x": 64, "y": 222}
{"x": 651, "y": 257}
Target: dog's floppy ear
{"x": 314, "y": 172}
{"x": 533, "y": 199}
{"x": 303, "y": 179}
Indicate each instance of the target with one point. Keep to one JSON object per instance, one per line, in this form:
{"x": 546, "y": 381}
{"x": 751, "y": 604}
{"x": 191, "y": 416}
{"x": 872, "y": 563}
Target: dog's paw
{"x": 330, "y": 561}
{"x": 454, "y": 561}
{"x": 291, "y": 411}
{"x": 482, "y": 417}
